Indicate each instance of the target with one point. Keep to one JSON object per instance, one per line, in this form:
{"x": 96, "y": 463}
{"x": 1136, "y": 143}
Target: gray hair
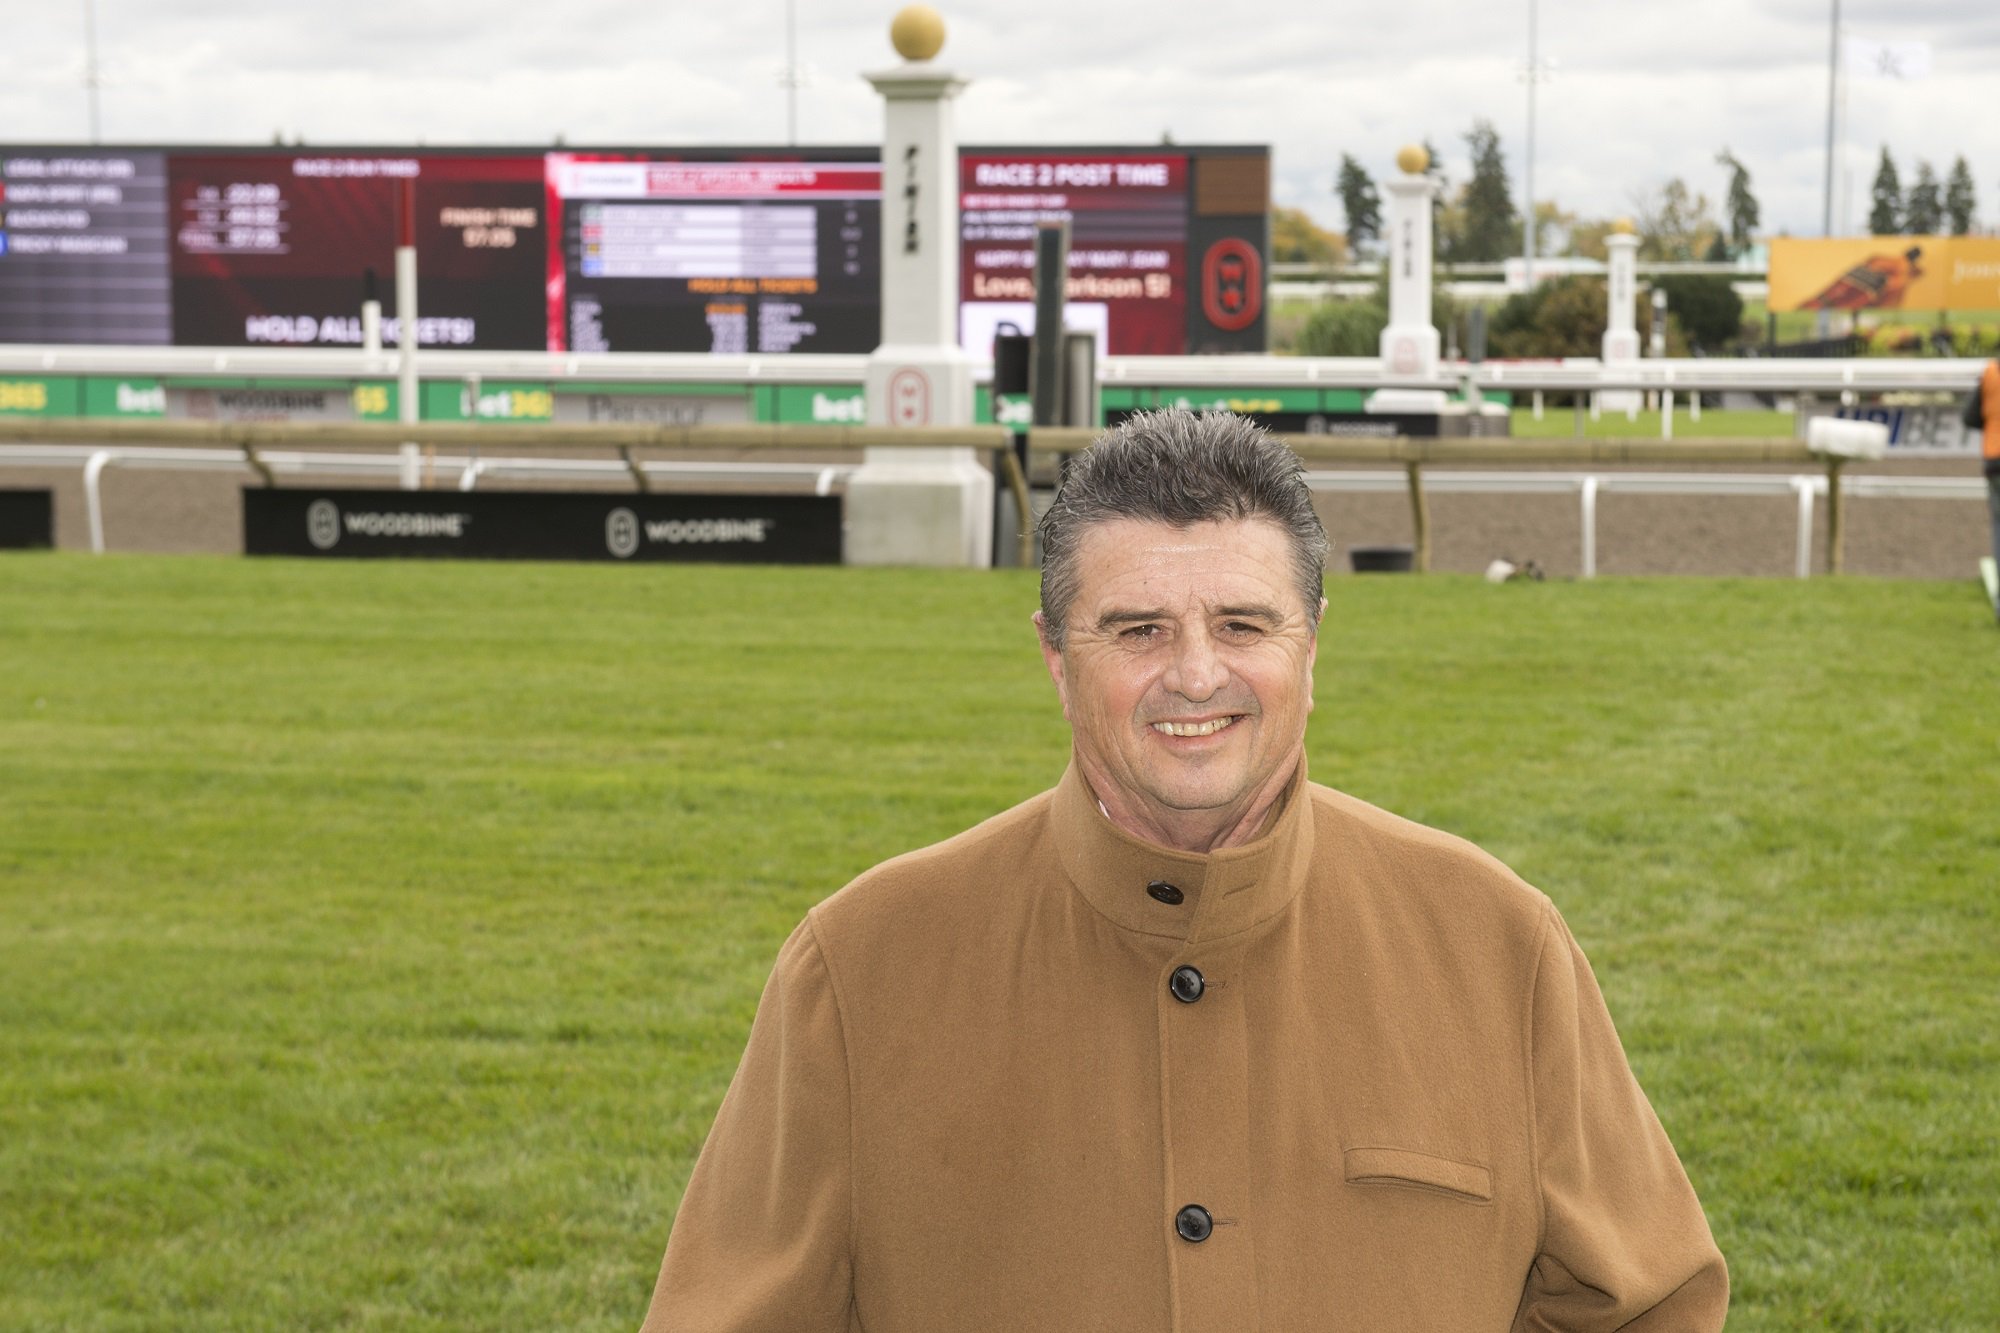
{"x": 1177, "y": 468}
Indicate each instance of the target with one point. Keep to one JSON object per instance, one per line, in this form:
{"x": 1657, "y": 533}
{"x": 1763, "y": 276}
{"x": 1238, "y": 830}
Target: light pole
{"x": 1535, "y": 72}
{"x": 1832, "y": 90}
{"x": 1528, "y": 183}
{"x": 91, "y": 82}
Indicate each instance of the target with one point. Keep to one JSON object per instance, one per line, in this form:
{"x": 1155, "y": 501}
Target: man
{"x": 1983, "y": 414}
{"x": 1188, "y": 1042}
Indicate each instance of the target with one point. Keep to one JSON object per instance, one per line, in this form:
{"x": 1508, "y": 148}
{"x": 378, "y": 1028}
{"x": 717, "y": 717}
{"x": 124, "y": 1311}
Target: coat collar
{"x": 1223, "y": 893}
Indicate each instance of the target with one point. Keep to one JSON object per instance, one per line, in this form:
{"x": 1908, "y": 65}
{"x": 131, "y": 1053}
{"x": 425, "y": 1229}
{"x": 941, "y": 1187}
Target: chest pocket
{"x": 1414, "y": 1170}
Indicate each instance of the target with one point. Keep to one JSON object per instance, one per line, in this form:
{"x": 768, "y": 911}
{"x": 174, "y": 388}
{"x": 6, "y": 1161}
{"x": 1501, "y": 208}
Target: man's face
{"x": 1187, "y": 675}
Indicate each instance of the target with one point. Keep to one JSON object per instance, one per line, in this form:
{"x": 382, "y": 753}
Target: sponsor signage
{"x": 1932, "y": 428}
{"x": 124, "y": 398}
{"x": 822, "y": 404}
{"x": 727, "y": 405}
{"x": 542, "y": 525}
{"x": 55, "y": 397}
{"x": 27, "y": 520}
{"x": 1886, "y": 273}
{"x": 311, "y": 401}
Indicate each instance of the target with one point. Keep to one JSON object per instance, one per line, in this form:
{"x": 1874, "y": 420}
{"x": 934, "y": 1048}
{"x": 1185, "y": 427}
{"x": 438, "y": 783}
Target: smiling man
{"x": 1187, "y": 1042}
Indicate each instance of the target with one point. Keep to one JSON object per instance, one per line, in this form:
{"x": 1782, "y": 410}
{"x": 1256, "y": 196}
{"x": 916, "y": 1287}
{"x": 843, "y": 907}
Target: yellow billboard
{"x": 1886, "y": 273}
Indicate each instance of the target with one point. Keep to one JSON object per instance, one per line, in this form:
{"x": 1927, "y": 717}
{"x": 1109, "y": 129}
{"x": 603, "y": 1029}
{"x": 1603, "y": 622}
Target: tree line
{"x": 1477, "y": 220}
{"x": 1928, "y": 207}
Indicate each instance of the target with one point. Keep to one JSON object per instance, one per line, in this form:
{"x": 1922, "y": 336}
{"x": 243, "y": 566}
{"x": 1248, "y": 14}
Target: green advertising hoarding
{"x": 41, "y": 397}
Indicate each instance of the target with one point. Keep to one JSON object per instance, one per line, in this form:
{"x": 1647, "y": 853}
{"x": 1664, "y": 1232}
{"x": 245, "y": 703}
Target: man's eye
{"x": 1141, "y": 632}
{"x": 1242, "y": 629}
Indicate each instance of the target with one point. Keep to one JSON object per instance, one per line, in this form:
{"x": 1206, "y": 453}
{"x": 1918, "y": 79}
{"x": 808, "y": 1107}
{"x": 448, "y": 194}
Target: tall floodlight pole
{"x": 792, "y": 72}
{"x": 1832, "y": 90}
{"x": 90, "y": 79}
{"x": 1528, "y": 182}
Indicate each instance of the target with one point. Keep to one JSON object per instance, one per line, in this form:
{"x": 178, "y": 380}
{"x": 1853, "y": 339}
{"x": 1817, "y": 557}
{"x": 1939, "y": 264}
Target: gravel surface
{"x": 202, "y": 512}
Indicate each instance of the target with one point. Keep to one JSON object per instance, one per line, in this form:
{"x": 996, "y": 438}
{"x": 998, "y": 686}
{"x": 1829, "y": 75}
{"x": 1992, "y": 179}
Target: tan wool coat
{"x": 986, "y": 1090}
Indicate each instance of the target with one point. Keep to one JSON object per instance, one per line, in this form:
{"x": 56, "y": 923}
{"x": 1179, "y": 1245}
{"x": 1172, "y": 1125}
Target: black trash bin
{"x": 1382, "y": 559}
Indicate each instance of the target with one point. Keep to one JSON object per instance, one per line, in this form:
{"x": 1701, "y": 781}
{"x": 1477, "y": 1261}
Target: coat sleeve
{"x": 1624, "y": 1243}
{"x": 763, "y": 1236}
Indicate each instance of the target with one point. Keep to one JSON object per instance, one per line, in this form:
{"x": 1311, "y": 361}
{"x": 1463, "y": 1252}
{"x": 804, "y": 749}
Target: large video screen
{"x": 1128, "y": 219}
{"x": 673, "y": 256}
{"x": 751, "y": 251}
{"x": 275, "y": 249}
{"x": 83, "y": 247}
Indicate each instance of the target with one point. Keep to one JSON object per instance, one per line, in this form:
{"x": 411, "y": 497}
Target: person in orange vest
{"x": 1983, "y": 413}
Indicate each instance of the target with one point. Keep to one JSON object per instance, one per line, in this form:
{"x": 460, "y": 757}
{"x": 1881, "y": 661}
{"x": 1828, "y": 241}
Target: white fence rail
{"x": 1805, "y": 488}
{"x": 468, "y": 470}
{"x": 1784, "y": 375}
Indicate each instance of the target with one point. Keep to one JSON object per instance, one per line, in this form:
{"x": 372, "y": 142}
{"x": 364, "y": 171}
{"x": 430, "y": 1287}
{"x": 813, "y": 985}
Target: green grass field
{"x": 378, "y": 939}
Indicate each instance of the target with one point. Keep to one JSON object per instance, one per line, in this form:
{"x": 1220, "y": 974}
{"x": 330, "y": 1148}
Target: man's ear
{"x": 1312, "y": 651}
{"x": 1052, "y": 659}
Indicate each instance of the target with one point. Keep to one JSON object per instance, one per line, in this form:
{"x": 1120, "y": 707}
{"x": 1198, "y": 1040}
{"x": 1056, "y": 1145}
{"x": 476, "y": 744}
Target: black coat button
{"x": 1186, "y": 984}
{"x": 1166, "y": 893}
{"x": 1194, "y": 1224}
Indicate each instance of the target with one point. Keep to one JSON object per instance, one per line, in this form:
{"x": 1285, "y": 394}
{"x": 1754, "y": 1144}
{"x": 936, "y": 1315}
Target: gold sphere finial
{"x": 917, "y": 32}
{"x": 1414, "y": 159}
{"x": 1622, "y": 227}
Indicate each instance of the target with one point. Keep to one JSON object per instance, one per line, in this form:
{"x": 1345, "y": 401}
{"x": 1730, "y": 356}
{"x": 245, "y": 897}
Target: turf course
{"x": 376, "y": 940}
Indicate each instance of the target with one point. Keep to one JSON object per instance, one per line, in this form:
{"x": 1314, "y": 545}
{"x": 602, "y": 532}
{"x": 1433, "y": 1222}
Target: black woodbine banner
{"x": 542, "y": 525}
{"x": 27, "y": 519}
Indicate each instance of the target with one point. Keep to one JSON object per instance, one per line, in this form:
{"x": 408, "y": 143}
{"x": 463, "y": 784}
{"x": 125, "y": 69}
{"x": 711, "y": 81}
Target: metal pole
{"x": 1045, "y": 380}
{"x": 1832, "y": 92}
{"x": 1528, "y": 185}
{"x": 1420, "y": 517}
{"x": 91, "y": 82}
{"x": 791, "y": 72}
{"x": 406, "y": 320}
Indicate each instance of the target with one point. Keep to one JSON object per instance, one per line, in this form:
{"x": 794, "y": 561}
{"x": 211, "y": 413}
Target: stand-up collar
{"x": 1222, "y": 893}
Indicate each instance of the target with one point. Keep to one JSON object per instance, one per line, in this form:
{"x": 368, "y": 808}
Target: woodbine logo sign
{"x": 325, "y": 522}
{"x": 526, "y": 525}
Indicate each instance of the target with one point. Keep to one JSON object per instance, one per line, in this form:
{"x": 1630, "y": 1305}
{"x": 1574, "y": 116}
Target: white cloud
{"x": 1644, "y": 91}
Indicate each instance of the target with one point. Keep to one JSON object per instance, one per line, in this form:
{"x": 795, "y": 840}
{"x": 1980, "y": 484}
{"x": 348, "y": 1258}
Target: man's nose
{"x": 1197, "y": 671}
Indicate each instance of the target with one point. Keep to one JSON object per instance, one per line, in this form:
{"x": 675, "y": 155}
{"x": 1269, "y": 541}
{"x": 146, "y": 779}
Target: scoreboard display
{"x": 670, "y": 256}
{"x": 763, "y": 251}
{"x": 275, "y": 250}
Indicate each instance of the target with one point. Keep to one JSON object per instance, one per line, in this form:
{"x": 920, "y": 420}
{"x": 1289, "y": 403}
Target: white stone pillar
{"x": 919, "y": 506}
{"x": 1410, "y": 343}
{"x": 1621, "y": 335}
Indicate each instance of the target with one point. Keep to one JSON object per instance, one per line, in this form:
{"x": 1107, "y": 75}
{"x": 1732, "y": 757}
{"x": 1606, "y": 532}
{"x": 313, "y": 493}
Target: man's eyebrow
{"x": 1113, "y": 619}
{"x": 1255, "y": 611}
{"x": 1261, "y": 611}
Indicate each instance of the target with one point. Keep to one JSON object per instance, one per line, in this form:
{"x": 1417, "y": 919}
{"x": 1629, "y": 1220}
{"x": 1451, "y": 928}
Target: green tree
{"x": 1885, "y": 211}
{"x": 1360, "y": 202}
{"x": 1491, "y": 224}
{"x": 1297, "y": 239}
{"x": 1741, "y": 206}
{"x": 1706, "y": 307}
{"x": 1923, "y": 209}
{"x": 1564, "y": 317}
{"x": 1674, "y": 224}
{"x": 1343, "y": 328}
{"x": 1353, "y": 326}
{"x": 1960, "y": 202}
{"x": 1561, "y": 317}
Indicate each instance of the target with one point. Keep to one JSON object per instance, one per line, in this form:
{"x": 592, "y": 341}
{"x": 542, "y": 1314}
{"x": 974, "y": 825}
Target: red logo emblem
{"x": 1232, "y": 284}
{"x": 909, "y": 398}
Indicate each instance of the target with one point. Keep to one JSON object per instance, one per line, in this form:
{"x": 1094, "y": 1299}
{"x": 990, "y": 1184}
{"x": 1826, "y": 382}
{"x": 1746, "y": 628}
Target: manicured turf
{"x": 377, "y": 939}
{"x": 1560, "y": 423}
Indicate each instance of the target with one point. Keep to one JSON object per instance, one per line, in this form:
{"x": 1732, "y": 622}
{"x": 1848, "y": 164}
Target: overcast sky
{"x": 1643, "y": 90}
